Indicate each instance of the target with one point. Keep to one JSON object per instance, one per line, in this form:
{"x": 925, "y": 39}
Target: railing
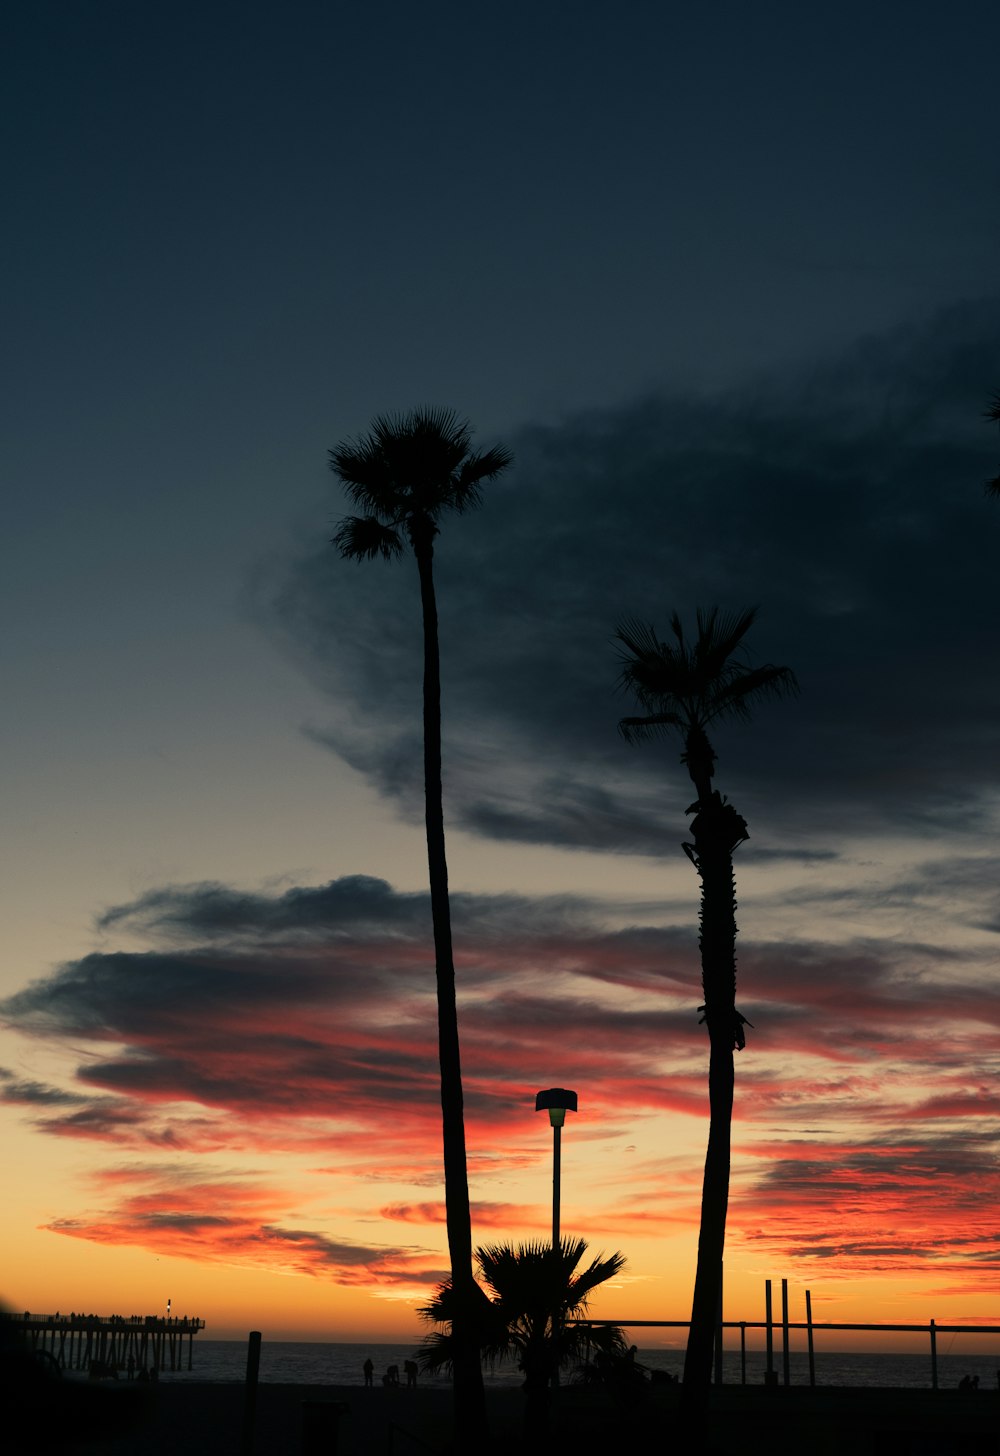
{"x": 931, "y": 1329}
{"x": 112, "y": 1342}
{"x": 102, "y": 1321}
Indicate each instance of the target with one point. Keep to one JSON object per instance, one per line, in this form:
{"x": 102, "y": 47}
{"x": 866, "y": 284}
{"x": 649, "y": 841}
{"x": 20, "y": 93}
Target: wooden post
{"x": 933, "y": 1330}
{"x": 250, "y": 1398}
{"x": 809, "y": 1337}
{"x": 718, "y": 1331}
{"x": 743, "y": 1353}
{"x": 784, "y": 1331}
{"x": 770, "y": 1374}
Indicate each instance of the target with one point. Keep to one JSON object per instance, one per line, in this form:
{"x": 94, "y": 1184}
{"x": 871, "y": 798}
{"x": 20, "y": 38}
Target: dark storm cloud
{"x": 354, "y": 908}
{"x": 886, "y": 1206}
{"x": 30, "y": 1093}
{"x": 336, "y": 1253}
{"x": 887, "y": 1164}
{"x": 105, "y": 1118}
{"x": 344, "y": 1025}
{"x": 332, "y": 1011}
{"x": 354, "y": 904}
{"x": 226, "y": 1219}
{"x": 846, "y": 500}
{"x": 125, "y": 994}
{"x": 871, "y": 1070}
{"x": 366, "y": 945}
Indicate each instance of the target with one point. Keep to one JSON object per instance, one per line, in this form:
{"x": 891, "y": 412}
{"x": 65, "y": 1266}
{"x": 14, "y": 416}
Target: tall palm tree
{"x": 685, "y": 687}
{"x": 532, "y": 1293}
{"x": 993, "y": 413}
{"x": 406, "y": 473}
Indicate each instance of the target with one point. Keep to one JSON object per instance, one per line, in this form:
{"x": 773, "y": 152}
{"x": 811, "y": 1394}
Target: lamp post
{"x": 557, "y": 1101}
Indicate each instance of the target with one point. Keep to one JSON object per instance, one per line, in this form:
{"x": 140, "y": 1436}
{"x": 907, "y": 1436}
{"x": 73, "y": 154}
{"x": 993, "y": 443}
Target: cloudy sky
{"x": 725, "y": 282}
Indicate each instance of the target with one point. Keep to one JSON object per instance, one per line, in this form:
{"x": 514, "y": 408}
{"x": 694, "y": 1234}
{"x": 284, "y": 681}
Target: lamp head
{"x": 557, "y": 1101}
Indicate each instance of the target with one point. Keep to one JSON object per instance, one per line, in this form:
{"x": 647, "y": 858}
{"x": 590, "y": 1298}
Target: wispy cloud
{"x": 889, "y": 1206}
{"x": 233, "y": 1222}
{"x": 280, "y": 1040}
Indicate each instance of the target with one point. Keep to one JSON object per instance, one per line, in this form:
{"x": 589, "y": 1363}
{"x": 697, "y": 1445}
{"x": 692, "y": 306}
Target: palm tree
{"x": 532, "y": 1292}
{"x": 993, "y": 413}
{"x": 403, "y": 476}
{"x": 685, "y": 687}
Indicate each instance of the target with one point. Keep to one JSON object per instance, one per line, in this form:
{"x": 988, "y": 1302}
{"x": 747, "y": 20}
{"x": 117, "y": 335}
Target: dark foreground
{"x": 177, "y": 1419}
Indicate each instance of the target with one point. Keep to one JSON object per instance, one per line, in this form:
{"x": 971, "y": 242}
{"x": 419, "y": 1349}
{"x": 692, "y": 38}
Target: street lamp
{"x": 557, "y": 1101}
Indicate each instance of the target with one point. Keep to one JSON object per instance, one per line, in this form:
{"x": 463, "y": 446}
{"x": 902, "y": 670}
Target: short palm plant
{"x": 531, "y": 1296}
{"x": 684, "y": 687}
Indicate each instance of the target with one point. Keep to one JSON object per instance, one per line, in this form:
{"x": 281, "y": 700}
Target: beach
{"x": 296, "y": 1420}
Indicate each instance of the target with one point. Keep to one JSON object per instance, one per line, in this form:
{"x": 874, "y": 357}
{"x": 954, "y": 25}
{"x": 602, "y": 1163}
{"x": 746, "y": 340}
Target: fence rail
{"x": 930, "y": 1328}
{"x": 134, "y": 1342}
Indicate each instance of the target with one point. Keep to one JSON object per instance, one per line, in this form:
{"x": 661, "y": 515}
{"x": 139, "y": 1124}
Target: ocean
{"x": 293, "y": 1363}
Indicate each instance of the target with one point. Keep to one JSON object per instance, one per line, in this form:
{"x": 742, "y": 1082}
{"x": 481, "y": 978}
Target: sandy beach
{"x": 208, "y": 1420}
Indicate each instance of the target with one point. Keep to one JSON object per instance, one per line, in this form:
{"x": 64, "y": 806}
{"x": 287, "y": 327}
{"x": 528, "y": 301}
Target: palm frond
{"x": 689, "y": 684}
{"x": 428, "y": 423}
{"x": 637, "y": 730}
{"x": 436, "y": 1352}
{"x": 415, "y": 465}
{"x": 533, "y": 1289}
{"x": 598, "y": 1272}
{"x": 534, "y": 1279}
{"x": 993, "y": 486}
{"x": 441, "y": 1307}
{"x": 736, "y": 696}
{"x": 362, "y": 538}
{"x": 640, "y": 640}
{"x": 479, "y": 466}
{"x": 720, "y": 638}
{"x": 364, "y": 473}
{"x": 588, "y": 1340}
{"x": 423, "y": 449}
{"x": 695, "y": 681}
{"x": 652, "y": 671}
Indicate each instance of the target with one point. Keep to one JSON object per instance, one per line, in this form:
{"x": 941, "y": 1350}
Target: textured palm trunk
{"x": 470, "y": 1399}
{"x": 716, "y": 830}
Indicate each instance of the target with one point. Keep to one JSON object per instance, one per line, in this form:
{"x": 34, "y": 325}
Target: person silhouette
{"x": 369, "y": 1370}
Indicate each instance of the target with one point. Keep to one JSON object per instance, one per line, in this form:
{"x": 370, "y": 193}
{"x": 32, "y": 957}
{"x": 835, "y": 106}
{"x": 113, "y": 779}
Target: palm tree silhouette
{"x": 684, "y": 687}
{"x": 532, "y": 1292}
{"x": 403, "y": 475}
{"x": 993, "y": 413}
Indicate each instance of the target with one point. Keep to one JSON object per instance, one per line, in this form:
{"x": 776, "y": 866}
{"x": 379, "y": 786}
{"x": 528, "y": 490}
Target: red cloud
{"x": 861, "y": 1208}
{"x": 328, "y": 1051}
{"x": 484, "y": 1215}
{"x": 236, "y": 1222}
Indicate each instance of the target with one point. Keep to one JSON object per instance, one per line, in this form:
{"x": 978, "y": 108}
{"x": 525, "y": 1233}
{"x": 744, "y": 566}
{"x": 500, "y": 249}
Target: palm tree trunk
{"x": 537, "y": 1373}
{"x": 717, "y": 829}
{"x": 470, "y": 1399}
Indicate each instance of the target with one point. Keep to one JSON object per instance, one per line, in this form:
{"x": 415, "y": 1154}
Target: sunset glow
{"x": 740, "y": 345}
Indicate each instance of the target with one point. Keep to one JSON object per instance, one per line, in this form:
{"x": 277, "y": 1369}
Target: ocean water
{"x": 292, "y": 1363}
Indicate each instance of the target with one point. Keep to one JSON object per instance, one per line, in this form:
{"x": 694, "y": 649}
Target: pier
{"x": 107, "y": 1342}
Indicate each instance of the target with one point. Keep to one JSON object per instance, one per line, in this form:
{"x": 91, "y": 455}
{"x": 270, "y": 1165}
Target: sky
{"x": 724, "y": 279}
